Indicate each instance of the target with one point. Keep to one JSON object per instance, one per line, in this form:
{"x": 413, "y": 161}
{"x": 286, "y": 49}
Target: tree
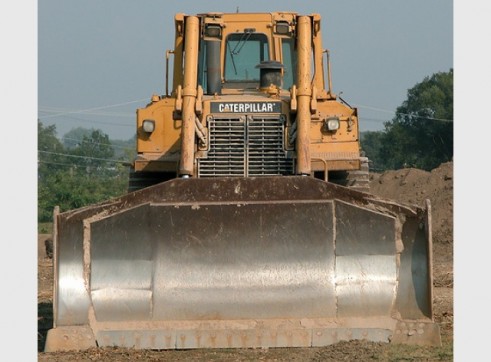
{"x": 50, "y": 149}
{"x": 72, "y": 138}
{"x": 371, "y": 142}
{"x": 421, "y": 133}
{"x": 72, "y": 178}
{"x": 98, "y": 175}
{"x": 51, "y": 163}
{"x": 93, "y": 153}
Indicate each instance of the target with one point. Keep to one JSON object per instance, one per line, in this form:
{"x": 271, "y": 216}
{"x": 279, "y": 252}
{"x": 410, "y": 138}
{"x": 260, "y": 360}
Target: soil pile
{"x": 414, "y": 186}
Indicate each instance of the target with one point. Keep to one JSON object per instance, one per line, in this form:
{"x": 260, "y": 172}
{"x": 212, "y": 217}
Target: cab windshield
{"x": 243, "y": 52}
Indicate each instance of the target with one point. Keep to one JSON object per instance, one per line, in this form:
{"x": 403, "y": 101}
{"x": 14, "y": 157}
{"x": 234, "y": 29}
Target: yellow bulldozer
{"x": 248, "y": 222}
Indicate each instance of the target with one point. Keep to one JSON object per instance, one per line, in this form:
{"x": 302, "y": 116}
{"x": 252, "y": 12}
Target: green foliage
{"x": 75, "y": 177}
{"x": 371, "y": 143}
{"x": 421, "y": 133}
{"x": 73, "y": 137}
{"x": 92, "y": 153}
{"x": 125, "y": 149}
{"x": 50, "y": 148}
{"x": 45, "y": 228}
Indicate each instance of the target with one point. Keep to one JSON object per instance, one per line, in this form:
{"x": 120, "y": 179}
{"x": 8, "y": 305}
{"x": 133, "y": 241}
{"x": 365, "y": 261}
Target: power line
{"x": 107, "y": 114}
{"x": 100, "y": 122}
{"x": 61, "y": 111}
{"x": 404, "y": 114}
{"x": 376, "y": 120}
{"x": 94, "y": 109}
{"x": 374, "y": 109}
{"x": 97, "y": 143}
{"x": 85, "y": 157}
{"x": 72, "y": 165}
{"x": 56, "y": 163}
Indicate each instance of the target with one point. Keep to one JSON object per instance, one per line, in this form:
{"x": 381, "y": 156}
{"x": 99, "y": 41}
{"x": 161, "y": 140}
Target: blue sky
{"x": 100, "y": 60}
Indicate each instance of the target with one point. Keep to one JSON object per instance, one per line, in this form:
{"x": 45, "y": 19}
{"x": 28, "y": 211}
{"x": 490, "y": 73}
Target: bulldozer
{"x": 248, "y": 221}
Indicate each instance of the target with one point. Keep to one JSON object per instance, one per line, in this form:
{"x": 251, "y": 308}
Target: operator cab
{"x": 247, "y": 56}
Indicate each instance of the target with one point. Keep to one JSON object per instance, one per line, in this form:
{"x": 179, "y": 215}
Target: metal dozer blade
{"x": 242, "y": 262}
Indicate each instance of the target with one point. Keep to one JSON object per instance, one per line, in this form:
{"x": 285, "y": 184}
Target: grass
{"x": 45, "y": 228}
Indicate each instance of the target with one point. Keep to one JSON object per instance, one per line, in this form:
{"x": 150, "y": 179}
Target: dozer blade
{"x": 242, "y": 262}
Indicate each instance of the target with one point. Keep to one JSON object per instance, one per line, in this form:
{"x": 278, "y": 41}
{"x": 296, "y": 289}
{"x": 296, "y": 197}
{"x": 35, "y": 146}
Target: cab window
{"x": 289, "y": 62}
{"x": 243, "y": 52}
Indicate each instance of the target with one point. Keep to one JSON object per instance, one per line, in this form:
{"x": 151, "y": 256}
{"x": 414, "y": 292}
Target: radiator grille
{"x": 245, "y": 147}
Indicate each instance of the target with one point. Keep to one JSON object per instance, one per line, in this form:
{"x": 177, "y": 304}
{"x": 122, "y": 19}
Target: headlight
{"x": 213, "y": 31}
{"x": 282, "y": 27}
{"x": 331, "y": 124}
{"x": 148, "y": 125}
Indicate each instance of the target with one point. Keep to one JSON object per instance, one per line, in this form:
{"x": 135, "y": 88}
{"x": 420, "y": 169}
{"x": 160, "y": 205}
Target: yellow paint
{"x": 161, "y": 149}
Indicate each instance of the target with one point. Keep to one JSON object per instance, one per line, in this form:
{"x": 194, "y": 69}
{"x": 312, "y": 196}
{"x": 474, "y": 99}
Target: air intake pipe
{"x": 189, "y": 92}
{"x": 304, "y": 93}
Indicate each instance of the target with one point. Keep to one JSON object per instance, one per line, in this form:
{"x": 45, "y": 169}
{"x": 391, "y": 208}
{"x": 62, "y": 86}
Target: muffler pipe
{"x": 213, "y": 80}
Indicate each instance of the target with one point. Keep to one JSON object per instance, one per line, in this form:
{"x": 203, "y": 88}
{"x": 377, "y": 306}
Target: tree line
{"x": 82, "y": 170}
{"x": 421, "y": 133}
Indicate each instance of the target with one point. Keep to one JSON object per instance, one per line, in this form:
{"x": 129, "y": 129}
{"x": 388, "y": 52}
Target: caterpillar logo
{"x": 246, "y": 107}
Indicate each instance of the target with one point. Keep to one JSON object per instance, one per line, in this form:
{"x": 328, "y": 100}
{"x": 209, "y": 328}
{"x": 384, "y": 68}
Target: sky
{"x": 98, "y": 61}
{"x": 66, "y": 56}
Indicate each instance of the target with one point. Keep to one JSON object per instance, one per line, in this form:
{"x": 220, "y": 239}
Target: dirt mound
{"x": 414, "y": 186}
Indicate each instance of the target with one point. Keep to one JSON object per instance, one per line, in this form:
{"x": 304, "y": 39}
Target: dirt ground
{"x": 407, "y": 185}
